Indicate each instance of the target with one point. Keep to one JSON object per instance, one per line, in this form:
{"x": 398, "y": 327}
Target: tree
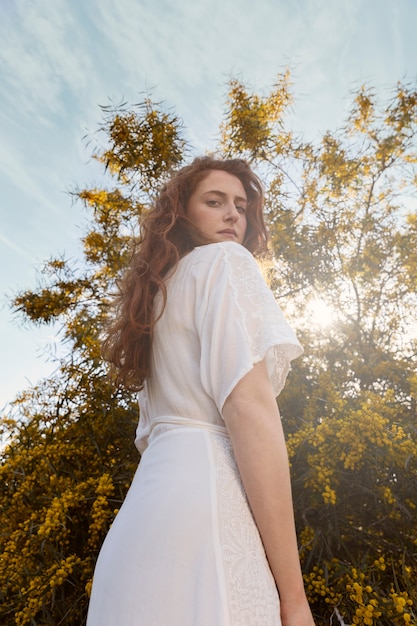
{"x": 70, "y": 458}
{"x": 342, "y": 235}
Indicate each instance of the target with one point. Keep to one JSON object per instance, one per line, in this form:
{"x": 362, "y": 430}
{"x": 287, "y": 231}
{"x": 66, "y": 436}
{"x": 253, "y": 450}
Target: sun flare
{"x": 321, "y": 313}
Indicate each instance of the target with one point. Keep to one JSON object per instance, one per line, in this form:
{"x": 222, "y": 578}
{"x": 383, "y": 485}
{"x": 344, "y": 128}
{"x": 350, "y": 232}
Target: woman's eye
{"x": 241, "y": 209}
{"x": 213, "y": 202}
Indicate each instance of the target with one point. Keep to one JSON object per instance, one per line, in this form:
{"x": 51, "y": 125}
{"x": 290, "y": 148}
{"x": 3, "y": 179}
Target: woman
{"x": 206, "y": 534}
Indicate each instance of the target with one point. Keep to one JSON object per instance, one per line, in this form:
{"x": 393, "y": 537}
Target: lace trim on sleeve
{"x": 271, "y": 336}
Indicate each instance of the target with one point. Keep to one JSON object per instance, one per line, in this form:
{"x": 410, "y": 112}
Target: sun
{"x": 321, "y": 313}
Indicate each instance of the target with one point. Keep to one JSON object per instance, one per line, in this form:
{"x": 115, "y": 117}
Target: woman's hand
{"x": 296, "y": 613}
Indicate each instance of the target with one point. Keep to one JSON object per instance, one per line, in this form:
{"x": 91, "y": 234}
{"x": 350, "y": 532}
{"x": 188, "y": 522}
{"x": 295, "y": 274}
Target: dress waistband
{"x": 189, "y": 423}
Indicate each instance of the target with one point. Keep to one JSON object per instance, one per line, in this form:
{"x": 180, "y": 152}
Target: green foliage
{"x": 143, "y": 146}
{"x": 254, "y": 125}
{"x": 343, "y": 235}
{"x": 64, "y": 474}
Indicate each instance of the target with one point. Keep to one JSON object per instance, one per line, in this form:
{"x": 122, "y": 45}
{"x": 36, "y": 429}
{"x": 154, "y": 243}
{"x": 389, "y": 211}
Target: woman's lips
{"x": 228, "y": 231}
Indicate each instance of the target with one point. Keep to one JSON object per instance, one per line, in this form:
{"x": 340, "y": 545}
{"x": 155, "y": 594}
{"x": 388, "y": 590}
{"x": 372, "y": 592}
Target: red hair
{"x": 166, "y": 235}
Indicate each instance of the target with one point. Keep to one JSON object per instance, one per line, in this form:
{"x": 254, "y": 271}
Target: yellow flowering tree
{"x": 344, "y": 233}
{"x": 344, "y": 237}
{"x": 68, "y": 457}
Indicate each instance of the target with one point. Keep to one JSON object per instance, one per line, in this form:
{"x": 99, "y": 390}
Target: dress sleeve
{"x": 239, "y": 323}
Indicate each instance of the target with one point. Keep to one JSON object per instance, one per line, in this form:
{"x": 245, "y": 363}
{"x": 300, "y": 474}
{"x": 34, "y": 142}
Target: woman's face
{"x": 218, "y": 206}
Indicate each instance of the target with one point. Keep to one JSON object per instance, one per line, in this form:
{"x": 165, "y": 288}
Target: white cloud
{"x": 16, "y": 248}
{"x": 16, "y": 168}
{"x": 40, "y": 57}
{"x": 190, "y": 44}
{"x": 188, "y": 50}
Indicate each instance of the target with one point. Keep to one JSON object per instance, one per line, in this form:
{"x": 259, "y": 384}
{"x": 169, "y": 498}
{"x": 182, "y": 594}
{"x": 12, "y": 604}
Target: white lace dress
{"x": 184, "y": 549}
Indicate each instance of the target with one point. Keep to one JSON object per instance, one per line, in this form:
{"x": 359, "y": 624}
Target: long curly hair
{"x": 166, "y": 235}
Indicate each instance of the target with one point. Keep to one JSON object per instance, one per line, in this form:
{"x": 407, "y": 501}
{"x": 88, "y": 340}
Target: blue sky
{"x": 61, "y": 59}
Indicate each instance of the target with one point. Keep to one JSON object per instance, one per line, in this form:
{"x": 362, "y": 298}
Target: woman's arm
{"x": 252, "y": 419}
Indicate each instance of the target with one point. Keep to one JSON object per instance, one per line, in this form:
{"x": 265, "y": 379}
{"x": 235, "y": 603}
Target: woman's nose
{"x": 231, "y": 212}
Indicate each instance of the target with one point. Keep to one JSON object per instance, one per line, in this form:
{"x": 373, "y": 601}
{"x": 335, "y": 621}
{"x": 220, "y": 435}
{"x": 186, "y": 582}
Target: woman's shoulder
{"x": 219, "y": 263}
{"x": 221, "y": 251}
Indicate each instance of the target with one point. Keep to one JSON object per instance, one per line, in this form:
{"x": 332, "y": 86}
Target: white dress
{"x": 184, "y": 549}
